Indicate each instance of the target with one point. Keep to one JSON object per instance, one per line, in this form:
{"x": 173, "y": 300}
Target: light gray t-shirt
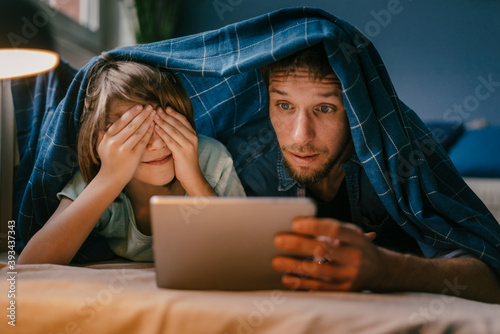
{"x": 118, "y": 224}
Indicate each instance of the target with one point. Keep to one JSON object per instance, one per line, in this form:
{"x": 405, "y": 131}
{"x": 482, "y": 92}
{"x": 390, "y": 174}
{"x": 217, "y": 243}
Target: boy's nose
{"x": 155, "y": 143}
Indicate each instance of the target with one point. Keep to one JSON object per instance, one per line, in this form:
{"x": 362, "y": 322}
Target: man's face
{"x": 311, "y": 124}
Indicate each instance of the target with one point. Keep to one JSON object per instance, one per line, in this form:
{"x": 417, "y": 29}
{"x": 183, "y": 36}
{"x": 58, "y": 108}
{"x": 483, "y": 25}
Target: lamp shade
{"x": 18, "y": 63}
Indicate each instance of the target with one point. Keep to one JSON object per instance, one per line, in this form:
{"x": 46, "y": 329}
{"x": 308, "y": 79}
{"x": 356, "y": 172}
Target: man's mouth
{"x": 303, "y": 159}
{"x": 160, "y": 161}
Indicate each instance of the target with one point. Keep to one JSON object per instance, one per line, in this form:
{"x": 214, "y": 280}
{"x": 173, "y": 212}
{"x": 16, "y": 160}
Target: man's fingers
{"x": 371, "y": 235}
{"x": 344, "y": 232}
{"x": 316, "y": 249}
{"x": 300, "y": 245}
{"x": 299, "y": 283}
{"x": 315, "y": 226}
{"x": 325, "y": 272}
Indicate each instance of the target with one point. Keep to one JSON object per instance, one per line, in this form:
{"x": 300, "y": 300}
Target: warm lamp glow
{"x": 17, "y": 63}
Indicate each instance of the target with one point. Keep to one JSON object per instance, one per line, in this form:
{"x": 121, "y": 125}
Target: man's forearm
{"x": 461, "y": 277}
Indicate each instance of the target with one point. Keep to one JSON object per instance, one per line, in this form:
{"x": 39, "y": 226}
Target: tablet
{"x": 220, "y": 243}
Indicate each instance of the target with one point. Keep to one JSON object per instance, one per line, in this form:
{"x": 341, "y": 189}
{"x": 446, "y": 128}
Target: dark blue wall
{"x": 438, "y": 53}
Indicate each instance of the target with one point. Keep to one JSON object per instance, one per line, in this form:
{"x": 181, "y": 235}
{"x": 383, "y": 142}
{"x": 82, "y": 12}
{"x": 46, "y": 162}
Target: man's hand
{"x": 339, "y": 256}
{"x": 345, "y": 259}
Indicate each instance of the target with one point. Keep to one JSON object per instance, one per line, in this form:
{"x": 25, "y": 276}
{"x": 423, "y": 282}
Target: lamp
{"x": 14, "y": 63}
{"x": 25, "y": 35}
{"x": 18, "y": 63}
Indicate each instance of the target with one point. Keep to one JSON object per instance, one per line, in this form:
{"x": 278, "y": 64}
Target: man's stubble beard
{"x": 301, "y": 175}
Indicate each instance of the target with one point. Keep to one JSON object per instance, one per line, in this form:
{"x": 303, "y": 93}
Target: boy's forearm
{"x": 461, "y": 277}
{"x": 199, "y": 187}
{"x": 62, "y": 236}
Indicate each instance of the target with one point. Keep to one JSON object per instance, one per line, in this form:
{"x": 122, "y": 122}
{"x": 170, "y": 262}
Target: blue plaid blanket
{"x": 409, "y": 170}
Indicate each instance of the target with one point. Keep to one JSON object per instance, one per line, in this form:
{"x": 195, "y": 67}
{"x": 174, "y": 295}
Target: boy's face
{"x": 156, "y": 166}
{"x": 311, "y": 124}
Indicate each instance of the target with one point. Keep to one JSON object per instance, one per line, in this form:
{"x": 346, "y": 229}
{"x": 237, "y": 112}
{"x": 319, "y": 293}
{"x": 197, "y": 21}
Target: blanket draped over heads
{"x": 220, "y": 70}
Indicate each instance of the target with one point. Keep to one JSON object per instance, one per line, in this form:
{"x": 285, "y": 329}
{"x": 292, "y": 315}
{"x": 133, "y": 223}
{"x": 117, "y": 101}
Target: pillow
{"x": 476, "y": 152}
{"x": 446, "y": 133}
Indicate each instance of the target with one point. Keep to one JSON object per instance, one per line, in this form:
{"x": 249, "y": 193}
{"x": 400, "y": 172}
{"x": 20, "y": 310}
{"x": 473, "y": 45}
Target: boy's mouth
{"x": 160, "y": 161}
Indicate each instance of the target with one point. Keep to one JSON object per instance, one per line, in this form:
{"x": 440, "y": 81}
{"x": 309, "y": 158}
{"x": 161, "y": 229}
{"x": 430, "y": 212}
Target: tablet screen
{"x": 221, "y": 243}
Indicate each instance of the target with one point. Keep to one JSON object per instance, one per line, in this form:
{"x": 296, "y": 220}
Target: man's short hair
{"x": 313, "y": 59}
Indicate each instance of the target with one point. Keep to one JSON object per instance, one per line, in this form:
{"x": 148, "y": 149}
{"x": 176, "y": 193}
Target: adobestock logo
{"x": 462, "y": 111}
{"x": 223, "y": 6}
{"x": 264, "y": 309}
{"x": 31, "y": 27}
{"x": 381, "y": 19}
{"x": 437, "y": 306}
{"x": 193, "y": 209}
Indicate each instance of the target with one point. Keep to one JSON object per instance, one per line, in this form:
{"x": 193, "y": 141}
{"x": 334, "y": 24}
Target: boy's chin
{"x": 163, "y": 181}
{"x": 169, "y": 183}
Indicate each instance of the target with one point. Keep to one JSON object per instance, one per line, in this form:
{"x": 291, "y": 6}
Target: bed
{"x": 123, "y": 298}
{"x": 488, "y": 190}
{"x": 473, "y": 148}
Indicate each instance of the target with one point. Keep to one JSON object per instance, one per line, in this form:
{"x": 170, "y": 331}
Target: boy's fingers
{"x": 180, "y": 117}
{"x": 167, "y": 138}
{"x": 136, "y": 127}
{"x": 125, "y": 119}
{"x": 175, "y": 120}
{"x": 100, "y": 136}
{"x": 140, "y": 133}
{"x": 144, "y": 140}
{"x": 176, "y": 131}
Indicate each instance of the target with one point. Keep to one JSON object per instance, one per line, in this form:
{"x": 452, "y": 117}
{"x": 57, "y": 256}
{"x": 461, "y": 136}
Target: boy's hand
{"x": 181, "y": 139}
{"x": 120, "y": 148}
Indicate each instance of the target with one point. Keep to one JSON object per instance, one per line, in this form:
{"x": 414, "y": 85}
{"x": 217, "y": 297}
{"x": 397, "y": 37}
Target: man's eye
{"x": 326, "y": 109}
{"x": 284, "y": 106}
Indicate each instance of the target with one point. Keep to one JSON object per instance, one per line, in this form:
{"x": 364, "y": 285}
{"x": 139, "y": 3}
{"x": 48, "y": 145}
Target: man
{"x": 353, "y": 244}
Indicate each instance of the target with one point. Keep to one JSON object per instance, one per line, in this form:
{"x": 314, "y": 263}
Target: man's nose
{"x": 302, "y": 131}
{"x": 155, "y": 142}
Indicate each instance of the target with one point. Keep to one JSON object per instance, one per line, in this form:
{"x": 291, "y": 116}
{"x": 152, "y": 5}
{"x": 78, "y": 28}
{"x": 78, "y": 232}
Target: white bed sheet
{"x": 124, "y": 298}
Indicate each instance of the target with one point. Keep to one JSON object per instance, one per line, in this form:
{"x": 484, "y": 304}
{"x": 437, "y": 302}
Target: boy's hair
{"x": 130, "y": 82}
{"x": 312, "y": 59}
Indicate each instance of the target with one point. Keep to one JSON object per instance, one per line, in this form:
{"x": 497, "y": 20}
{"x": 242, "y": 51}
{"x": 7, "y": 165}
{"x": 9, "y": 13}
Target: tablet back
{"x": 220, "y": 243}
